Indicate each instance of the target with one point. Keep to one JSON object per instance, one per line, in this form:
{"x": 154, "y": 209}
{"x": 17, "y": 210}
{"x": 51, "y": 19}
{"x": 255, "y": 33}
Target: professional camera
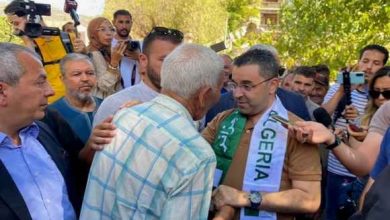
{"x": 34, "y": 13}
{"x": 133, "y": 45}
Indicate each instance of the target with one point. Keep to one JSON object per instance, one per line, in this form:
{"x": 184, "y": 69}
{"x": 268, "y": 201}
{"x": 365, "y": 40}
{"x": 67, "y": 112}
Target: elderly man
{"x": 78, "y": 106}
{"x": 33, "y": 167}
{"x": 321, "y": 83}
{"x": 262, "y": 172}
{"x": 158, "y": 166}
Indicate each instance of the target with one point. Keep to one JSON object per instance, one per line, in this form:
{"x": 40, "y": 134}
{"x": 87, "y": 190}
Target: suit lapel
{"x": 11, "y": 195}
{"x": 50, "y": 143}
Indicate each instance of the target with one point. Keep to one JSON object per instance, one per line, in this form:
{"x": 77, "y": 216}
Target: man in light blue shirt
{"x": 158, "y": 166}
{"x": 31, "y": 173}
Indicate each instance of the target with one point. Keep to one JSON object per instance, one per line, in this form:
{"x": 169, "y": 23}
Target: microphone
{"x": 70, "y": 7}
{"x": 323, "y": 117}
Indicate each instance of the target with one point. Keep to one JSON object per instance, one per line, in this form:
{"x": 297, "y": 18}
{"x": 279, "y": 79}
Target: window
{"x": 269, "y": 19}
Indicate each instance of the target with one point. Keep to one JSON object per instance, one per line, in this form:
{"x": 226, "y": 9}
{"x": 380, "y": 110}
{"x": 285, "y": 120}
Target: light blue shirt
{"x": 36, "y": 176}
{"x": 156, "y": 167}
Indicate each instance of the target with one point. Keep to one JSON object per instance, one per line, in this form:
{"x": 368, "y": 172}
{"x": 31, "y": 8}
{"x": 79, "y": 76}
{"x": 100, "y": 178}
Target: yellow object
{"x": 52, "y": 50}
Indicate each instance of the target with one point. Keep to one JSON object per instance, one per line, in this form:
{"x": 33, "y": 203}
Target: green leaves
{"x": 331, "y": 31}
{"x": 202, "y": 21}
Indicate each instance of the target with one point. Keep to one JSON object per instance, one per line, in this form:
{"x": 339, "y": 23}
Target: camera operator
{"x": 123, "y": 22}
{"x": 51, "y": 48}
{"x": 372, "y": 58}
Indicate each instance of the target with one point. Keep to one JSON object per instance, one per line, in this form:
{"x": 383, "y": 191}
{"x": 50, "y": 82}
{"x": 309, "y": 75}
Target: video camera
{"x": 34, "y": 12}
{"x": 133, "y": 45}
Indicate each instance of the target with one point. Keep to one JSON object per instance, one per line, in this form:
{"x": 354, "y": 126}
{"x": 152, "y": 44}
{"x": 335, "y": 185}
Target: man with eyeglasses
{"x": 156, "y": 46}
{"x": 129, "y": 66}
{"x": 292, "y": 101}
{"x": 261, "y": 172}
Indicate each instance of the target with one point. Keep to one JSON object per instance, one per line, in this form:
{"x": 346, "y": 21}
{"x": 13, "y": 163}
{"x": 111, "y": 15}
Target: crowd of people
{"x": 163, "y": 129}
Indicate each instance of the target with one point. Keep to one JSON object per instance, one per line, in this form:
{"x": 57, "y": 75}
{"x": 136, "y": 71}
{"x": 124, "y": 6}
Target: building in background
{"x": 269, "y": 13}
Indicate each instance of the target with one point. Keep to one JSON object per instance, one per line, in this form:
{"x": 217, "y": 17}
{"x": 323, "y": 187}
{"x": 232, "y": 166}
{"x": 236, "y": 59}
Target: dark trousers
{"x": 337, "y": 191}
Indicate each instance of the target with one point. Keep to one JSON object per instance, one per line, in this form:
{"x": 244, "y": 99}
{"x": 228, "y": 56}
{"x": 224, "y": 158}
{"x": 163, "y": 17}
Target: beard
{"x": 82, "y": 96}
{"x": 154, "y": 77}
{"x": 123, "y": 33}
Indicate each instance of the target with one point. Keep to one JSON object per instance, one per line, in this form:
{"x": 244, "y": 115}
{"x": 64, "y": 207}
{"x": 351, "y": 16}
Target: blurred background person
{"x": 321, "y": 83}
{"x": 105, "y": 58}
{"x": 78, "y": 106}
{"x": 129, "y": 65}
{"x": 379, "y": 93}
{"x": 68, "y": 27}
{"x": 303, "y": 84}
{"x": 227, "y": 69}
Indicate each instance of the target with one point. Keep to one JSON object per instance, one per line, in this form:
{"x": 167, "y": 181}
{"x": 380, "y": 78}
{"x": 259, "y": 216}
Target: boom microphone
{"x": 70, "y": 7}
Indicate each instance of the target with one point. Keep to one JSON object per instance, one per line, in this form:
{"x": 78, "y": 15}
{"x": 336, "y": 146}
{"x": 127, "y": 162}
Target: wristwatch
{"x": 336, "y": 143}
{"x": 255, "y": 199}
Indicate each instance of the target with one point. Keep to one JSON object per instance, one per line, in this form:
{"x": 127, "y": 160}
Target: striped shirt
{"x": 157, "y": 167}
{"x": 359, "y": 101}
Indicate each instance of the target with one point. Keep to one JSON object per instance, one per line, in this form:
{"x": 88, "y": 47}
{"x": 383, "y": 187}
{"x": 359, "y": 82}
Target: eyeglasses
{"x": 106, "y": 30}
{"x": 375, "y": 94}
{"x": 249, "y": 87}
{"x": 163, "y": 31}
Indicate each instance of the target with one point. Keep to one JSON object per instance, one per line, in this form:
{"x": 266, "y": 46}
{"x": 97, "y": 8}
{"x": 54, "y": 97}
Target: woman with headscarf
{"x": 106, "y": 61}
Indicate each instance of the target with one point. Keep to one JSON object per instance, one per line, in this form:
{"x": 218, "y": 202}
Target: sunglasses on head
{"x": 163, "y": 31}
{"x": 375, "y": 94}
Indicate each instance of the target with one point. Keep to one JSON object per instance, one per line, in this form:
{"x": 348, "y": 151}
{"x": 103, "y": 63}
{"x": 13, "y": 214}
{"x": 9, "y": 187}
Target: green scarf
{"x": 228, "y": 137}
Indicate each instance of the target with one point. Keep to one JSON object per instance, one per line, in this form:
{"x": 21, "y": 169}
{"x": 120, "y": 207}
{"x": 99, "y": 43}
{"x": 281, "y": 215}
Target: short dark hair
{"x": 264, "y": 59}
{"x": 122, "y": 12}
{"x": 161, "y": 33}
{"x": 306, "y": 71}
{"x": 64, "y": 26}
{"x": 322, "y": 69}
{"x": 376, "y": 47}
{"x": 15, "y": 7}
{"x": 384, "y": 71}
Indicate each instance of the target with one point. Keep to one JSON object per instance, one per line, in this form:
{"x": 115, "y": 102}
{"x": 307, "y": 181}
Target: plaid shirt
{"x": 157, "y": 167}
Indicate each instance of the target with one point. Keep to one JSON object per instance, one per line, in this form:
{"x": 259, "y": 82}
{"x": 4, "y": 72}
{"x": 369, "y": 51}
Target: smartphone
{"x": 282, "y": 120}
{"x": 355, "y": 128}
{"x": 356, "y": 78}
{"x": 133, "y": 46}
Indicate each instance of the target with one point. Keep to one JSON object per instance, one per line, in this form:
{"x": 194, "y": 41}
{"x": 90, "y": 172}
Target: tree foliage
{"x": 325, "y": 31}
{"x": 240, "y": 12}
{"x": 332, "y": 31}
{"x": 202, "y": 21}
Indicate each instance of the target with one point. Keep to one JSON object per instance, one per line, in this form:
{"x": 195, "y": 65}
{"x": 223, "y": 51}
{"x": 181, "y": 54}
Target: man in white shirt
{"x": 157, "y": 45}
{"x": 129, "y": 69}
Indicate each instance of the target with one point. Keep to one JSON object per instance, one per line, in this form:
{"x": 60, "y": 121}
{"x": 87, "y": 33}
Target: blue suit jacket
{"x": 293, "y": 102}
